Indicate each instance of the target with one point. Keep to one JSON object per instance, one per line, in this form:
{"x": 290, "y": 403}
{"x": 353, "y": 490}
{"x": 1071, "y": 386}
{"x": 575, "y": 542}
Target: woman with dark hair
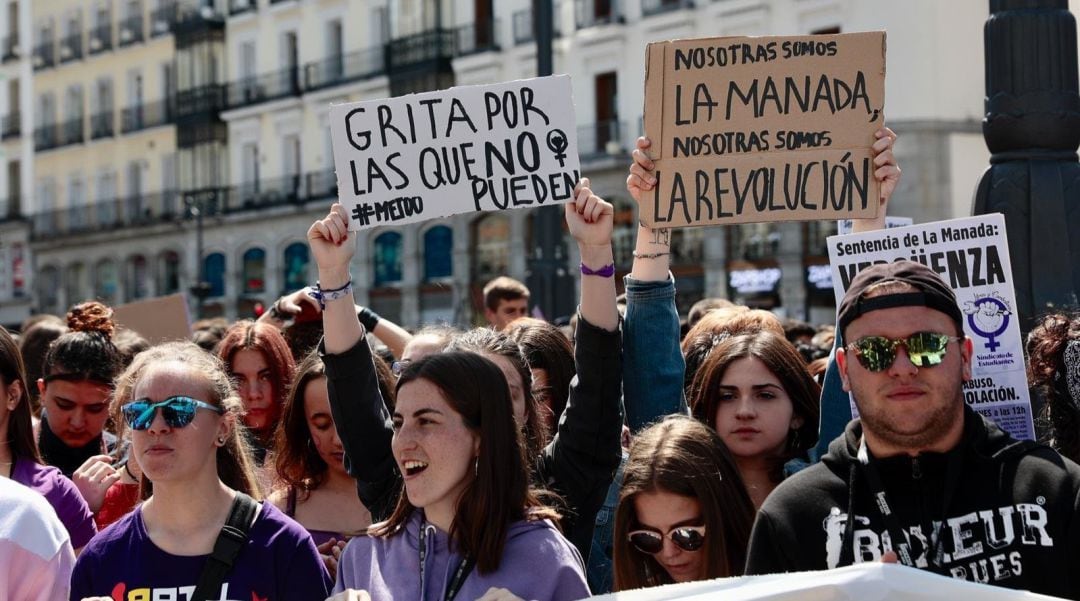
{"x": 551, "y": 361}
{"x": 1053, "y": 348}
{"x": 78, "y": 373}
{"x": 468, "y": 521}
{"x": 755, "y": 391}
{"x": 577, "y": 464}
{"x": 257, "y": 357}
{"x": 19, "y": 458}
{"x": 197, "y": 468}
{"x": 683, "y": 512}
{"x": 313, "y": 487}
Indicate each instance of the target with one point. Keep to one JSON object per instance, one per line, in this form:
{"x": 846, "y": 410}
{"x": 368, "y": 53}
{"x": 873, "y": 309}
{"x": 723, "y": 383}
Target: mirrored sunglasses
{"x": 924, "y": 349}
{"x": 687, "y": 538}
{"x": 178, "y": 411}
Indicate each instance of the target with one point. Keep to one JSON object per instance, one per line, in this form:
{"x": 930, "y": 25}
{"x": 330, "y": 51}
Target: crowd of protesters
{"x": 322, "y": 451}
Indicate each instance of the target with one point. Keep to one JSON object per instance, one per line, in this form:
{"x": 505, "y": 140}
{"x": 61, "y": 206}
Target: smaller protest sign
{"x": 158, "y": 320}
{"x": 748, "y": 129}
{"x": 472, "y": 148}
{"x": 972, "y": 256}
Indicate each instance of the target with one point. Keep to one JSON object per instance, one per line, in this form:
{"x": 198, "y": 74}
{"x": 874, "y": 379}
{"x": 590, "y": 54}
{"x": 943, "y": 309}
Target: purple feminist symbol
{"x": 989, "y": 320}
{"x": 557, "y": 142}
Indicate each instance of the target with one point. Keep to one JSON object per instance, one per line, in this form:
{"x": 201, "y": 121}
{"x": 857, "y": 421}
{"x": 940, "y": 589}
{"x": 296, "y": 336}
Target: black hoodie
{"x": 1005, "y": 510}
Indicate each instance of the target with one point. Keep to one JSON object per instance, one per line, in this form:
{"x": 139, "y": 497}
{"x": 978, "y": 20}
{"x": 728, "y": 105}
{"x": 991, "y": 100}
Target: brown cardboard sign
{"x": 158, "y": 320}
{"x": 748, "y": 129}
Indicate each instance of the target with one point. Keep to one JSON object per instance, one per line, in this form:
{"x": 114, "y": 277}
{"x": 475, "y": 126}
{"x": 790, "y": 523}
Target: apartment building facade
{"x": 164, "y": 143}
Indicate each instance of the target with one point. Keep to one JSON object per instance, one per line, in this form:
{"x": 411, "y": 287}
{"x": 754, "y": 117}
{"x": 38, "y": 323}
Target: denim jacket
{"x": 653, "y": 364}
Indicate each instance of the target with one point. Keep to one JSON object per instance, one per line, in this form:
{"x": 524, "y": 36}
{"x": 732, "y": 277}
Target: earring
{"x": 476, "y": 466}
{"x": 221, "y": 441}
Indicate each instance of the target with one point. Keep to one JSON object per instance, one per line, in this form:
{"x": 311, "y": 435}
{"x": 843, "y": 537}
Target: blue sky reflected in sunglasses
{"x": 178, "y": 411}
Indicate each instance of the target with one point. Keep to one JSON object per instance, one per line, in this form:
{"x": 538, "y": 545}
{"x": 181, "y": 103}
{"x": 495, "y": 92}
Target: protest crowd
{"x": 323, "y": 452}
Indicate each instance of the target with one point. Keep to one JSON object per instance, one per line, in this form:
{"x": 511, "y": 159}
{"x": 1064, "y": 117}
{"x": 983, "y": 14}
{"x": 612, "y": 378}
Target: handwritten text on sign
{"x": 475, "y": 148}
{"x": 972, "y": 255}
{"x": 764, "y": 128}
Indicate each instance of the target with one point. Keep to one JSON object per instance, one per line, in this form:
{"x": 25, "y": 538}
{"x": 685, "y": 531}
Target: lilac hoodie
{"x": 537, "y": 564}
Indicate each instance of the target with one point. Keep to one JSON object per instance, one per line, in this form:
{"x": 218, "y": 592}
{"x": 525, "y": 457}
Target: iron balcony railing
{"x": 199, "y": 101}
{"x": 12, "y": 126}
{"x": 477, "y": 37}
{"x": 106, "y": 215}
{"x": 45, "y": 55}
{"x": 261, "y": 88}
{"x": 73, "y": 132}
{"x": 101, "y": 125}
{"x": 47, "y": 137}
{"x": 71, "y": 48}
{"x": 524, "y": 30}
{"x": 237, "y": 7}
{"x": 604, "y": 138}
{"x": 163, "y": 18}
{"x": 131, "y": 30}
{"x": 10, "y": 49}
{"x": 101, "y": 38}
{"x": 145, "y": 116}
{"x": 590, "y": 13}
{"x": 428, "y": 46}
{"x": 346, "y": 68}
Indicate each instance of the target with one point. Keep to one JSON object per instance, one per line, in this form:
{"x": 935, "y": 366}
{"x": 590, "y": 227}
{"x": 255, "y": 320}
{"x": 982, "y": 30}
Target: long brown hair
{"x": 296, "y": 461}
{"x": 784, "y": 362}
{"x": 1047, "y": 372}
{"x": 682, "y": 456}
{"x": 235, "y": 464}
{"x": 499, "y": 494}
{"x": 486, "y": 340}
{"x": 267, "y": 340}
{"x": 20, "y": 430}
{"x": 545, "y": 347}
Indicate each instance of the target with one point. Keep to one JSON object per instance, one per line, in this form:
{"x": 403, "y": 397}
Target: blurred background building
{"x": 160, "y": 146}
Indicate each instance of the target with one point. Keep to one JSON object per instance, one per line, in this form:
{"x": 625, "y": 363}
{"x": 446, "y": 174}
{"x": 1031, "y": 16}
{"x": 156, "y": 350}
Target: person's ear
{"x": 967, "y": 349}
{"x": 15, "y": 393}
{"x": 842, "y": 366}
{"x": 225, "y": 428}
{"x": 797, "y": 422}
{"x": 41, "y": 386}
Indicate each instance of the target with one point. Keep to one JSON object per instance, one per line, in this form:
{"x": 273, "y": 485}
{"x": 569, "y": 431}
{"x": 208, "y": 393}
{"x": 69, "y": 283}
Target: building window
{"x": 137, "y": 274}
{"x": 214, "y": 272}
{"x": 254, "y": 271}
{"x": 73, "y": 284}
{"x": 438, "y": 253}
{"x": 491, "y": 247}
{"x": 296, "y": 267}
{"x": 387, "y": 256}
{"x": 48, "y": 284}
{"x": 106, "y": 282}
{"x": 169, "y": 272}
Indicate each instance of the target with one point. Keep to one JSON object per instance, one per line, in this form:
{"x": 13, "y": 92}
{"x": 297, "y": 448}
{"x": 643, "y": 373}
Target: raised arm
{"x": 360, "y": 415}
{"x": 653, "y": 361}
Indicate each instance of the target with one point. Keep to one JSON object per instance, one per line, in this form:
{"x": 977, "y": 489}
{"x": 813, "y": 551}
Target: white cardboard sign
{"x": 972, "y": 255}
{"x": 472, "y": 148}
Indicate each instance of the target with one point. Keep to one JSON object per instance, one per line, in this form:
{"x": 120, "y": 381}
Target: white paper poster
{"x": 972, "y": 255}
{"x": 473, "y": 148}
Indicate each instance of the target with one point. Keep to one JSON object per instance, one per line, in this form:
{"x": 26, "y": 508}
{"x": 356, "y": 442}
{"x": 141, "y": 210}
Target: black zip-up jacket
{"x": 578, "y": 464}
{"x": 1005, "y": 512}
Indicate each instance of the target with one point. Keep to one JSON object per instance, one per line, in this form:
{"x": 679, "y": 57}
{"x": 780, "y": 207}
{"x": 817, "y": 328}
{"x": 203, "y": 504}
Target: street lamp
{"x": 196, "y": 203}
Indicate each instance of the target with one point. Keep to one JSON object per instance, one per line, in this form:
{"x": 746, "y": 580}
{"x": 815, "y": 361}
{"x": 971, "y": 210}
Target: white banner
{"x": 972, "y": 255}
{"x": 472, "y": 148}
{"x": 862, "y": 582}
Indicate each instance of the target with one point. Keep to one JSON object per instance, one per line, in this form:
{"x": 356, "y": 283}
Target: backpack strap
{"x": 233, "y": 537}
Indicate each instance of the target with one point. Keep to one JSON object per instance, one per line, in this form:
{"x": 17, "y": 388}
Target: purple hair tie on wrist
{"x": 606, "y": 271}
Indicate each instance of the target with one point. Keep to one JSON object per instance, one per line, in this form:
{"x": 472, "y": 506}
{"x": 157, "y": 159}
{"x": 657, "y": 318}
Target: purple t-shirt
{"x": 62, "y": 494}
{"x": 279, "y": 563}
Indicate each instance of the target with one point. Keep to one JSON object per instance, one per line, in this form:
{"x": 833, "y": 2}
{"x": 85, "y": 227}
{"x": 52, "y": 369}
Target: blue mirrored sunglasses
{"x": 178, "y": 411}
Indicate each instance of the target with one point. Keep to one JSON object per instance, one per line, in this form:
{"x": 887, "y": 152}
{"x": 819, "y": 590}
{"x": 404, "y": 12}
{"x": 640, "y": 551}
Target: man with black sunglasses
{"x": 930, "y": 482}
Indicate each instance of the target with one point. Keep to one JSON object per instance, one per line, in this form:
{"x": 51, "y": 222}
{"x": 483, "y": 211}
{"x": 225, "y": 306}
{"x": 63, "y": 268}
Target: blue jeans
{"x": 653, "y": 364}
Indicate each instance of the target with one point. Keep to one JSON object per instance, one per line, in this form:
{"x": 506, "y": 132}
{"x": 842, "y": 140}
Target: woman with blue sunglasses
{"x": 197, "y": 470}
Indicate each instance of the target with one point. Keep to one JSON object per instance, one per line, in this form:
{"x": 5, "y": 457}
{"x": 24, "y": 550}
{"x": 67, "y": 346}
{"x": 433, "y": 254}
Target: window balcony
{"x": 263, "y": 88}
{"x": 71, "y": 48}
{"x": 237, "y": 7}
{"x": 477, "y": 37}
{"x": 524, "y": 30}
{"x": 47, "y": 137}
{"x": 659, "y": 7}
{"x": 347, "y": 68}
{"x": 416, "y": 50}
{"x": 591, "y": 13}
{"x": 73, "y": 132}
{"x": 101, "y": 125}
{"x": 148, "y": 115}
{"x": 10, "y": 49}
{"x": 106, "y": 215}
{"x": 45, "y": 55}
{"x": 163, "y": 18}
{"x": 101, "y": 39}
{"x": 11, "y": 126}
{"x": 131, "y": 31}
{"x": 604, "y": 138}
